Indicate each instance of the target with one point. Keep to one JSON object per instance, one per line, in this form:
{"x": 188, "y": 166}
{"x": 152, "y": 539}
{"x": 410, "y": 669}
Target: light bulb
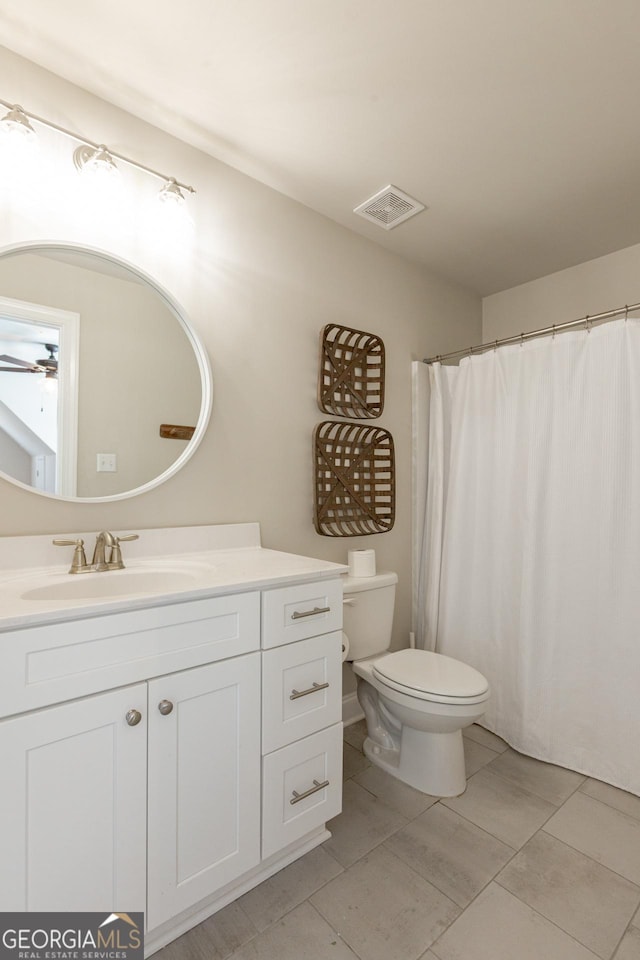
{"x": 96, "y": 162}
{"x": 18, "y": 153}
{"x": 49, "y": 384}
{"x": 101, "y": 190}
{"x": 171, "y": 193}
{"x": 169, "y": 220}
{"x": 17, "y": 124}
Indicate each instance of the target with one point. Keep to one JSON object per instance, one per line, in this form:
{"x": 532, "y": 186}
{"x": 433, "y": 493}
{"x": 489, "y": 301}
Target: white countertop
{"x": 199, "y": 573}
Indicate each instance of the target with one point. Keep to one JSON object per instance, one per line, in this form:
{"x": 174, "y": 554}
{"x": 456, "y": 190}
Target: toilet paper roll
{"x": 362, "y": 563}
{"x": 345, "y": 647}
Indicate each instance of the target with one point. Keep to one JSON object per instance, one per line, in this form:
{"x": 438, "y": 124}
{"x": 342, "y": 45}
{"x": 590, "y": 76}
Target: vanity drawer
{"x": 57, "y": 662}
{"x": 301, "y": 689}
{"x": 306, "y": 610}
{"x": 302, "y": 788}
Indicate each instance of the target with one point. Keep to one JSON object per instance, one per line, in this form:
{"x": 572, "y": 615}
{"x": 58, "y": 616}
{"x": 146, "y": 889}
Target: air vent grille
{"x": 389, "y": 207}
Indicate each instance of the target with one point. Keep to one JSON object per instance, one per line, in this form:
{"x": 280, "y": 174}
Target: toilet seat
{"x": 431, "y": 676}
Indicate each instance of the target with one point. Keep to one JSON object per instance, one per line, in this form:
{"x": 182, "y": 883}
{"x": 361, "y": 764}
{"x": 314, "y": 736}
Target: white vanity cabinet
{"x": 87, "y": 780}
{"x": 73, "y": 805}
{"x": 167, "y": 758}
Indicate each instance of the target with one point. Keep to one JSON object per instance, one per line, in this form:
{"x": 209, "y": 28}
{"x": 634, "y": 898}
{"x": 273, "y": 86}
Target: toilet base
{"x": 430, "y": 762}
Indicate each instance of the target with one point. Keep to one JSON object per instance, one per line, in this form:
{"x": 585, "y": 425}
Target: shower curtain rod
{"x": 521, "y": 337}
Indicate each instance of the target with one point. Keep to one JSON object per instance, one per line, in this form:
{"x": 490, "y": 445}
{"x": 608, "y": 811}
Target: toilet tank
{"x": 368, "y": 613}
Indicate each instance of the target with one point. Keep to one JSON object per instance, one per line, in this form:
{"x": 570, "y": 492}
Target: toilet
{"x": 416, "y": 703}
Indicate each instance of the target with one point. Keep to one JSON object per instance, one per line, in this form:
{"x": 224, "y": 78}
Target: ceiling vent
{"x": 389, "y": 207}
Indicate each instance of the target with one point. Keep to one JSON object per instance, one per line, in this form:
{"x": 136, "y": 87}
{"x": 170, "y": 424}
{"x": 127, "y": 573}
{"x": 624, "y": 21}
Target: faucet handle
{"x": 79, "y": 563}
{"x": 116, "y": 553}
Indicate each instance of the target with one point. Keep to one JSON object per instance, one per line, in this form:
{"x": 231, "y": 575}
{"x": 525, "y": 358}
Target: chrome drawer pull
{"x": 296, "y": 615}
{"x": 296, "y": 694}
{"x": 297, "y": 797}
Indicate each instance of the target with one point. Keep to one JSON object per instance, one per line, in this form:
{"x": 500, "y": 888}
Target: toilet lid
{"x": 430, "y": 674}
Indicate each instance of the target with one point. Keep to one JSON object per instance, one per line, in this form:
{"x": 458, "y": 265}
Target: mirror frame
{"x": 204, "y": 366}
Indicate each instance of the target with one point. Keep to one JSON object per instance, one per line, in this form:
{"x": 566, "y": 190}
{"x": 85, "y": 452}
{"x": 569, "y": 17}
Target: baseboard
{"x": 167, "y": 932}
{"x": 351, "y": 711}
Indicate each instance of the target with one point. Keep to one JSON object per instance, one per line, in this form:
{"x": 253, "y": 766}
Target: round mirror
{"x": 105, "y": 390}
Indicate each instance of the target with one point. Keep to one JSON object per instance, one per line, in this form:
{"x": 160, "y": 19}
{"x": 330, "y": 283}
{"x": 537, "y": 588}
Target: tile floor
{"x": 532, "y": 862}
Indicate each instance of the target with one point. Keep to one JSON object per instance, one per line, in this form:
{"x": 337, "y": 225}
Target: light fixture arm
{"x": 97, "y": 146}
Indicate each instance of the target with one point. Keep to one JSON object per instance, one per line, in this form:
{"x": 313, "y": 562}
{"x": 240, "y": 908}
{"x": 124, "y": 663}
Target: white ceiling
{"x": 514, "y": 121}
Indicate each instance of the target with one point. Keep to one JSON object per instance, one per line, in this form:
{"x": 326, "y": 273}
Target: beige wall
{"x": 261, "y": 278}
{"x": 589, "y": 288}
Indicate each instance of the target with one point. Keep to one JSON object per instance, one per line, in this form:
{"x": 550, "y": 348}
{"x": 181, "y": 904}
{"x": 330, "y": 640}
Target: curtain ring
{"x": 626, "y": 312}
{"x": 495, "y": 346}
{"x": 553, "y": 331}
{"x": 522, "y": 339}
{"x": 588, "y": 323}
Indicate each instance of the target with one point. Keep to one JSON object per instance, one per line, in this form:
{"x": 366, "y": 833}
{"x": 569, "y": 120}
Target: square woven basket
{"x": 351, "y": 379}
{"x": 354, "y": 479}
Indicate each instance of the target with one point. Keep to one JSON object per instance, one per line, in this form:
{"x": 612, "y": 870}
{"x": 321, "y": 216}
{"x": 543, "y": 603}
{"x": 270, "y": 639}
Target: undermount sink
{"x": 117, "y": 583}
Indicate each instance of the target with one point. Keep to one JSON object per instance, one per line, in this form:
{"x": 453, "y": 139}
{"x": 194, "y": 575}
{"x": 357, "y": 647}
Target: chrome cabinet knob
{"x": 133, "y": 717}
{"x": 165, "y": 707}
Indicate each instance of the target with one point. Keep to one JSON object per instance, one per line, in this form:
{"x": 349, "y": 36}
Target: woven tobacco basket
{"x": 354, "y": 479}
{"x": 351, "y": 378}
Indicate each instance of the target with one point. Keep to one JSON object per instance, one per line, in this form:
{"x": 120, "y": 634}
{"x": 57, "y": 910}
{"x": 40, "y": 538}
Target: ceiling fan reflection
{"x": 47, "y": 365}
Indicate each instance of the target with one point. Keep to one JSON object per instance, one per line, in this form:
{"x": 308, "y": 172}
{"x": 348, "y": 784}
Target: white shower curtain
{"x": 530, "y": 566}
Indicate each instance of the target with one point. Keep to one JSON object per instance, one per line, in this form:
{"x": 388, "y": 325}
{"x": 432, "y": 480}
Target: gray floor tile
{"x": 364, "y": 822}
{"x": 625, "y": 802}
{"x": 585, "y": 899}
{"x": 413, "y": 865}
{"x": 353, "y": 761}
{"x": 452, "y": 853}
{"x": 594, "y": 828}
{"x": 498, "y": 926}
{"x": 355, "y": 734}
{"x": 476, "y": 756}
{"x": 396, "y": 794}
{"x": 214, "y": 939}
{"x": 300, "y": 935}
{"x": 546, "y": 780}
{"x": 283, "y": 891}
{"x": 485, "y": 737}
{"x": 629, "y": 948}
{"x": 384, "y": 910}
{"x": 500, "y": 807}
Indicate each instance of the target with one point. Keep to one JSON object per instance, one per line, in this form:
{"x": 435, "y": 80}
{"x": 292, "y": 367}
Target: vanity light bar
{"x": 16, "y": 111}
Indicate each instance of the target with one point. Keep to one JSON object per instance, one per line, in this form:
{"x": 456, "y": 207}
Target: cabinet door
{"x": 204, "y": 782}
{"x": 73, "y": 806}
